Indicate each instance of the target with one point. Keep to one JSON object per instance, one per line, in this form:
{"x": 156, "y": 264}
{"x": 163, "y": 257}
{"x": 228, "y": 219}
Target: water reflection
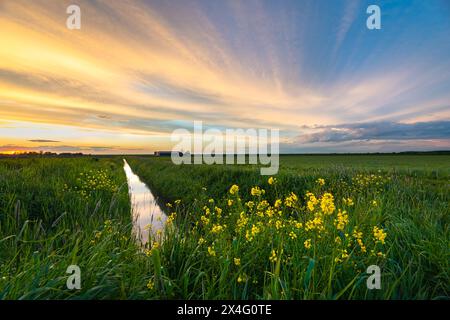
{"x": 148, "y": 218}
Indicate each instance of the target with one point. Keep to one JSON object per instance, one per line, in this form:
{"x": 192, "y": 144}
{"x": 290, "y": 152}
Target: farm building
{"x": 167, "y": 153}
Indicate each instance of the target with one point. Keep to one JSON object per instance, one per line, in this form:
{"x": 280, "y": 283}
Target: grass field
{"x": 308, "y": 233}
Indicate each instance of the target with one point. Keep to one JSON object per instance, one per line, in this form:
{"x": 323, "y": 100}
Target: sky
{"x": 138, "y": 70}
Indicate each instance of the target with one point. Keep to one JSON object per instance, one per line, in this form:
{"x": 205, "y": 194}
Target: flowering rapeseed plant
{"x": 292, "y": 225}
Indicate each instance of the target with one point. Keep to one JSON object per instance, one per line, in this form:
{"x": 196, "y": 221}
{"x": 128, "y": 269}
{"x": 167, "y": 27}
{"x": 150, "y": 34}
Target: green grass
{"x": 51, "y": 216}
{"x": 412, "y": 207}
{"x": 47, "y": 224}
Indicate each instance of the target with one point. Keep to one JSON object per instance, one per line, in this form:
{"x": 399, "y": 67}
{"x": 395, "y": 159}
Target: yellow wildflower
{"x": 348, "y": 201}
{"x": 307, "y": 243}
{"x": 250, "y": 204}
{"x": 341, "y": 220}
{"x": 218, "y": 211}
{"x": 242, "y": 278}
{"x": 211, "y": 251}
{"x": 234, "y": 189}
{"x": 273, "y": 256}
{"x": 312, "y": 201}
{"x": 270, "y": 212}
{"x": 217, "y": 228}
{"x": 327, "y": 203}
{"x": 357, "y": 234}
{"x": 379, "y": 234}
{"x": 242, "y": 221}
{"x": 262, "y": 205}
{"x": 291, "y": 200}
{"x": 204, "y": 219}
{"x": 278, "y": 224}
{"x": 256, "y": 191}
{"x": 150, "y": 285}
{"x": 237, "y": 261}
{"x": 250, "y": 234}
{"x": 277, "y": 203}
{"x": 361, "y": 245}
{"x": 171, "y": 218}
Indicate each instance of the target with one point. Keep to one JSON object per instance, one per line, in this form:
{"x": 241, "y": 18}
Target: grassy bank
{"x": 284, "y": 245}
{"x": 309, "y": 233}
{"x": 60, "y": 212}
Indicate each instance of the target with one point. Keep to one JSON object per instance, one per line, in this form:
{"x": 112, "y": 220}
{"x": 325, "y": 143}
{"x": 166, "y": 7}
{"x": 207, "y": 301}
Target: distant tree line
{"x": 33, "y": 154}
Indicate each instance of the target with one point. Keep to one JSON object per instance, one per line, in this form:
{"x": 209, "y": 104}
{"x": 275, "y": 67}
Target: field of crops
{"x": 310, "y": 232}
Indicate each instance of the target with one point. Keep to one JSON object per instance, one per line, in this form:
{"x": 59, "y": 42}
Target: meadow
{"x": 310, "y": 232}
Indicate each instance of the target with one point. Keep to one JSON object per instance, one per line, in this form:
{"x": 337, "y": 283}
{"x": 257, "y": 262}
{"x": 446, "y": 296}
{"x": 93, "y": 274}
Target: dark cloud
{"x": 376, "y": 131}
{"x": 43, "y": 140}
{"x": 68, "y": 148}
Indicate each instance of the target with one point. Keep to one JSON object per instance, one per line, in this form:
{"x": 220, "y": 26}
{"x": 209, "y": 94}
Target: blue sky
{"x": 137, "y": 70}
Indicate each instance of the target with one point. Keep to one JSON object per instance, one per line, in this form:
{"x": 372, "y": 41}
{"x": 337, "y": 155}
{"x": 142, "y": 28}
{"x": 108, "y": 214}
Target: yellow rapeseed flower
{"x": 379, "y": 234}
{"x": 278, "y": 203}
{"x": 327, "y": 203}
{"x": 171, "y": 218}
{"x": 348, "y": 201}
{"x": 234, "y": 189}
{"x": 341, "y": 220}
{"x": 237, "y": 261}
{"x": 320, "y": 181}
{"x": 204, "y": 219}
{"x": 312, "y": 201}
{"x": 256, "y": 191}
{"x": 273, "y": 256}
{"x": 218, "y": 211}
{"x": 211, "y": 251}
{"x": 278, "y": 224}
{"x": 250, "y": 204}
{"x": 290, "y": 200}
{"x": 361, "y": 245}
{"x": 242, "y": 221}
{"x": 242, "y": 278}
{"x": 217, "y": 228}
{"x": 150, "y": 285}
{"x": 307, "y": 243}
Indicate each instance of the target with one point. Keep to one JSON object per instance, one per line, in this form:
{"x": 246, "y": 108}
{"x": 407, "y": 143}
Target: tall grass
{"x": 58, "y": 212}
{"x": 47, "y": 224}
{"x": 412, "y": 207}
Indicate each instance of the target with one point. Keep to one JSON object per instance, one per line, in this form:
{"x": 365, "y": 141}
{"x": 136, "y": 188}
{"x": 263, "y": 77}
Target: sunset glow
{"x": 137, "y": 70}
